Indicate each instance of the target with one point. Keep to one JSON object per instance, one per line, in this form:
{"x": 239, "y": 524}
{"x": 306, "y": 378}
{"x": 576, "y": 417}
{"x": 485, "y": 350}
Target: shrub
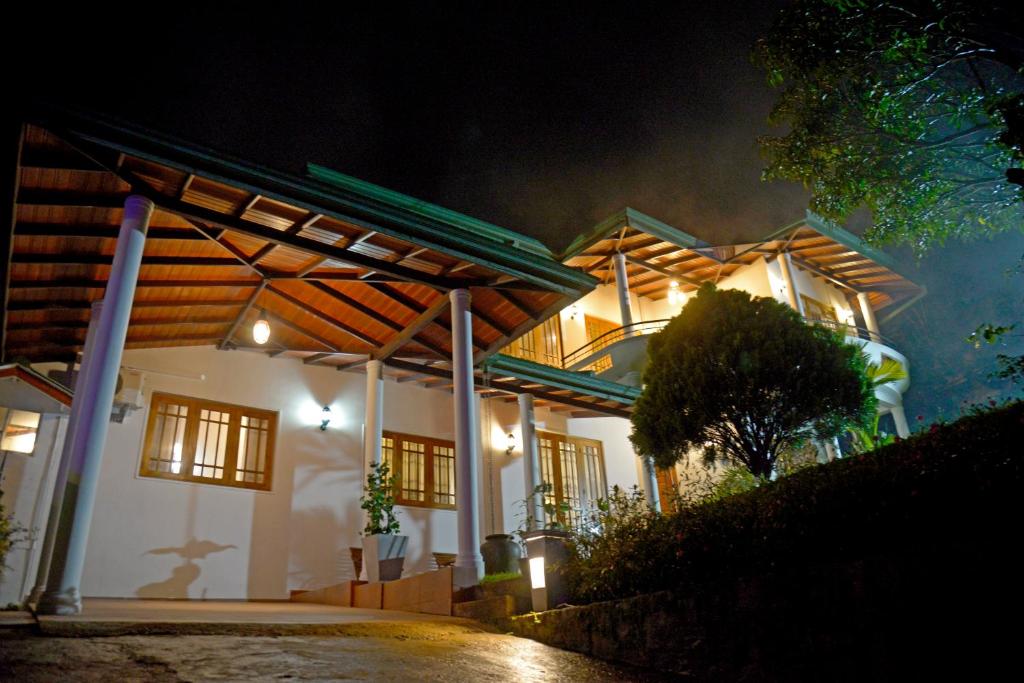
{"x": 951, "y": 487}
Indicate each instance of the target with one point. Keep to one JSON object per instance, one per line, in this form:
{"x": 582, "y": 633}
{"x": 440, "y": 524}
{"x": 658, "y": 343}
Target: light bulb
{"x": 261, "y": 330}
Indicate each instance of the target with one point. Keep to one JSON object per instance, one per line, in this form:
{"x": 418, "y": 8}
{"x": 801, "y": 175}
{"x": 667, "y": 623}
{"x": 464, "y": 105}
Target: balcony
{"x": 619, "y": 355}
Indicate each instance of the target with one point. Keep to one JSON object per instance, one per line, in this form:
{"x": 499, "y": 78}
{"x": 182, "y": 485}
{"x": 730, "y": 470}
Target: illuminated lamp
{"x": 261, "y": 330}
{"x": 548, "y": 552}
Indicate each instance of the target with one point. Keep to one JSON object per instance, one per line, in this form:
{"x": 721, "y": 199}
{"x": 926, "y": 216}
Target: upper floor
{"x": 647, "y": 271}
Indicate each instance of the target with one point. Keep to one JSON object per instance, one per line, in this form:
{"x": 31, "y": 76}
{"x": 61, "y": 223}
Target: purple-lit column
{"x": 96, "y": 394}
{"x": 469, "y": 564}
{"x": 64, "y": 464}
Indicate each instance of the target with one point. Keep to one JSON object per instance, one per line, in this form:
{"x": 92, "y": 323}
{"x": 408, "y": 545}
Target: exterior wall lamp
{"x": 325, "y": 418}
{"x": 547, "y": 552}
{"x": 674, "y": 296}
{"x": 511, "y": 444}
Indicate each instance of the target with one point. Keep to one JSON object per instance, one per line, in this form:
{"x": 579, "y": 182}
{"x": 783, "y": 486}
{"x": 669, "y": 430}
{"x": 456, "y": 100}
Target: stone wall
{"x": 895, "y": 617}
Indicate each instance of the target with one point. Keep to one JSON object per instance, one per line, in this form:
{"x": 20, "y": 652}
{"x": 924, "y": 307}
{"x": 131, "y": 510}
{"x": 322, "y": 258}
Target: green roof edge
{"x": 636, "y": 219}
{"x": 460, "y": 240}
{"x": 563, "y": 379}
{"x": 836, "y": 232}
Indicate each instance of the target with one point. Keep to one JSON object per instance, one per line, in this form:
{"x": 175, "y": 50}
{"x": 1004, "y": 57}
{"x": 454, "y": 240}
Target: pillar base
{"x": 466, "y": 575}
{"x": 64, "y": 603}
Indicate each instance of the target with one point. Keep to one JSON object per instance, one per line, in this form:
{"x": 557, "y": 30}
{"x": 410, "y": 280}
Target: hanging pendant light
{"x": 261, "y": 330}
{"x": 674, "y": 295}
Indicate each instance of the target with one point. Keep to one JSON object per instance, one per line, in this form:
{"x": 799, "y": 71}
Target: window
{"x": 542, "y": 344}
{"x": 817, "y": 311}
{"x": 596, "y": 329}
{"x": 19, "y": 429}
{"x": 424, "y": 469}
{"x": 192, "y": 439}
{"x": 575, "y": 469}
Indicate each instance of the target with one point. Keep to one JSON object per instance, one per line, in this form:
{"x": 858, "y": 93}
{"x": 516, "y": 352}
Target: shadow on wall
{"x": 316, "y": 539}
{"x": 183, "y": 575}
{"x": 319, "y": 546}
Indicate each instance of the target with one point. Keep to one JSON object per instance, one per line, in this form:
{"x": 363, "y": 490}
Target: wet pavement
{"x": 424, "y": 651}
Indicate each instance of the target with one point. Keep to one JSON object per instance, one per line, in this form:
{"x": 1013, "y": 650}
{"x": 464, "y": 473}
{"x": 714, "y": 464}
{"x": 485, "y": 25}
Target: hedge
{"x": 951, "y": 488}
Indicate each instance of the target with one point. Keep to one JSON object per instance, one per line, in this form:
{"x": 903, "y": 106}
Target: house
{"x": 242, "y": 343}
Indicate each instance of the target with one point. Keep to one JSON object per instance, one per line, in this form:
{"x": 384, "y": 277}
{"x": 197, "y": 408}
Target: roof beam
{"x": 87, "y": 283}
{"x": 101, "y": 231}
{"x": 412, "y": 329}
{"x": 86, "y": 304}
{"x": 80, "y": 259}
{"x": 326, "y": 317}
{"x": 664, "y": 271}
{"x": 244, "y": 311}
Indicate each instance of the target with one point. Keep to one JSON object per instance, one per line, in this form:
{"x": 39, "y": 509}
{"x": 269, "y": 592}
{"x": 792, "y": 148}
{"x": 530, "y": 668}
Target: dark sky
{"x": 543, "y": 118}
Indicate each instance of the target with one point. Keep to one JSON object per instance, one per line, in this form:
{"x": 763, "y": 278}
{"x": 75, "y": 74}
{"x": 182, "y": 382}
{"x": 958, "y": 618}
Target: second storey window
{"x": 191, "y": 439}
{"x": 424, "y": 469}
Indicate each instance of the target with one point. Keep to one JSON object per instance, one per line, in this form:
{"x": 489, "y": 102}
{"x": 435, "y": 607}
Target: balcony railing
{"x": 850, "y": 330}
{"x": 608, "y": 338}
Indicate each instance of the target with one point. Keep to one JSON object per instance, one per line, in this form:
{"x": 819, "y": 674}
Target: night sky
{"x": 543, "y": 118}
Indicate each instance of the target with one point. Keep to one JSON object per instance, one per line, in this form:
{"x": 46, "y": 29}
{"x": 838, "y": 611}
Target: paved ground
{"x": 426, "y": 652}
{"x": 133, "y": 640}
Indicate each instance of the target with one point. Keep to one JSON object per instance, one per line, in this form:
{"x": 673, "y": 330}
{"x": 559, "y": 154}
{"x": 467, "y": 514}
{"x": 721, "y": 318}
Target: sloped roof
{"x": 341, "y": 266}
{"x": 657, "y": 254}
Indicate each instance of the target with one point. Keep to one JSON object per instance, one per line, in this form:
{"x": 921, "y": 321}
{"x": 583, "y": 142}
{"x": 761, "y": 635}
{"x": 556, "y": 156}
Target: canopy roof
{"x": 657, "y": 253}
{"x": 344, "y": 269}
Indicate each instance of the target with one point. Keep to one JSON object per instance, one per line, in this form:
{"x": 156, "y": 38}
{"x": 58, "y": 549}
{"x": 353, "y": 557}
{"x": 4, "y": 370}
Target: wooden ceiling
{"x": 337, "y": 285}
{"x": 655, "y": 257}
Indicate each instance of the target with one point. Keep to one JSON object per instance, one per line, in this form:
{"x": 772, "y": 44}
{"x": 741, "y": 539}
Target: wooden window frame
{"x": 587, "y": 497}
{"x": 195, "y": 406}
{"x": 428, "y": 470}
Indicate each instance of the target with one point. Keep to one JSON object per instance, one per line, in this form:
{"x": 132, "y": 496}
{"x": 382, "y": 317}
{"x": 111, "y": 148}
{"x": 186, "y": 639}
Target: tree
{"x": 913, "y": 109}
{"x": 746, "y": 379}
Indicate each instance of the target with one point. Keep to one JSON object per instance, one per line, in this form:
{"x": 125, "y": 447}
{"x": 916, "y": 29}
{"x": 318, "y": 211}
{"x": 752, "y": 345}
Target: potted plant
{"x": 383, "y": 548}
{"x": 527, "y": 525}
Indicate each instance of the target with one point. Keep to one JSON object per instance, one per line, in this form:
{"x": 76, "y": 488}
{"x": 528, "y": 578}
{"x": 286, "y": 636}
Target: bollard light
{"x": 547, "y": 552}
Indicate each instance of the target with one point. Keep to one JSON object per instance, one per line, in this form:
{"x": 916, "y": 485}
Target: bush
{"x": 952, "y": 487}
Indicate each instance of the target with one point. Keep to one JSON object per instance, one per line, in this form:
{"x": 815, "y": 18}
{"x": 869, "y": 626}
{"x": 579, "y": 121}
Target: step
{"x": 496, "y": 609}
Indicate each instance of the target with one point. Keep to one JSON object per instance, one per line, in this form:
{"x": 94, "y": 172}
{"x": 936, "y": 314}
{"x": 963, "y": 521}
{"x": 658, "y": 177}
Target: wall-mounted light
{"x": 325, "y": 418}
{"x": 261, "y": 330}
{"x": 510, "y": 444}
{"x": 674, "y": 295}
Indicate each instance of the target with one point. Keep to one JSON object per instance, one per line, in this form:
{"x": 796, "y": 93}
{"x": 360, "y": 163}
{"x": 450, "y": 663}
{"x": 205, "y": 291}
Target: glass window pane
{"x": 20, "y": 434}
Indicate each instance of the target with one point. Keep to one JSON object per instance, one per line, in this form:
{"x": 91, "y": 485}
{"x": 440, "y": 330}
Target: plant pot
{"x": 383, "y": 556}
{"x": 501, "y": 554}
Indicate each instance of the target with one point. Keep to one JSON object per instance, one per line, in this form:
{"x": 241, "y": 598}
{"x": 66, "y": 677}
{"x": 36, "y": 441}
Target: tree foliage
{"x": 913, "y": 109}
{"x": 746, "y": 379}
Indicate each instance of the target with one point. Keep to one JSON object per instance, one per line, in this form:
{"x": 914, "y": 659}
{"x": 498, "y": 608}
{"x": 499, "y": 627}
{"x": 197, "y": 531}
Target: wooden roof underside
{"x": 217, "y": 254}
{"x": 652, "y": 263}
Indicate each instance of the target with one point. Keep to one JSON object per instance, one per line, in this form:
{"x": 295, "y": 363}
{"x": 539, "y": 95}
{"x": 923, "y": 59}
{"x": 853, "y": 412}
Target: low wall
{"x": 898, "y": 617}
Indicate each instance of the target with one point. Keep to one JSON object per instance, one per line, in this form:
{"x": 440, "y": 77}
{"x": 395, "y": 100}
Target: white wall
{"x": 622, "y": 466}
{"x": 752, "y": 279}
{"x": 159, "y": 538}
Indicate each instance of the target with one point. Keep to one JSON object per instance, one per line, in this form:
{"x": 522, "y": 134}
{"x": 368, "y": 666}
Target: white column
{"x": 869, "y": 316}
{"x": 374, "y": 424}
{"x": 469, "y": 564}
{"x": 64, "y": 464}
{"x": 786, "y": 266}
{"x": 622, "y": 287}
{"x": 531, "y": 463}
{"x": 62, "y": 594}
{"x": 651, "y": 485}
{"x": 900, "y": 418}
